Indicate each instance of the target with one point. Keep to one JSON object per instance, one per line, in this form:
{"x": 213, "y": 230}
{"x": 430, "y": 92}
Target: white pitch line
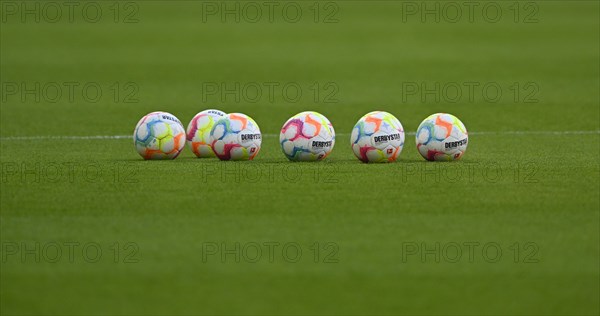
{"x": 16, "y": 138}
{"x": 65, "y": 137}
{"x": 534, "y": 133}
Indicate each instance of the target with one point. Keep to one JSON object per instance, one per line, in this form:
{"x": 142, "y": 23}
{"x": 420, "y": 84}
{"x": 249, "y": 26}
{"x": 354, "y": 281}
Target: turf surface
{"x": 168, "y": 230}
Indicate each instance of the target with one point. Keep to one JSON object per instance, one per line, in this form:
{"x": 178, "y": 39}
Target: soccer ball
{"x": 377, "y": 137}
{"x": 442, "y": 137}
{"x": 159, "y": 135}
{"x": 307, "y": 136}
{"x": 198, "y": 132}
{"x": 236, "y": 136}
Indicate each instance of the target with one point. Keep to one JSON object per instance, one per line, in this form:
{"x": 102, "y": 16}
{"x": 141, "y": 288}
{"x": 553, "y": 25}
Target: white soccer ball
{"x": 198, "y": 132}
{"x": 236, "y": 136}
{"x": 377, "y": 137}
{"x": 442, "y": 137}
{"x": 307, "y": 136}
{"x": 159, "y": 135}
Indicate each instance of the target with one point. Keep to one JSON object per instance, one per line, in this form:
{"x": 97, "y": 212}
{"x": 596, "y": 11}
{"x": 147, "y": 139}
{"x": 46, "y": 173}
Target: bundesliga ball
{"x": 442, "y": 137}
{"x": 159, "y": 135}
{"x": 307, "y": 136}
{"x": 236, "y": 136}
{"x": 377, "y": 137}
{"x": 198, "y": 132}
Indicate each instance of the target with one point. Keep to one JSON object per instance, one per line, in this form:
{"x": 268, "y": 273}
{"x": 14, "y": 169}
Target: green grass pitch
{"x": 88, "y": 227}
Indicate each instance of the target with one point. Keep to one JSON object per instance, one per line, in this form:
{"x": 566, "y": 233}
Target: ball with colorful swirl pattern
{"x": 307, "y": 136}
{"x": 377, "y": 137}
{"x": 159, "y": 135}
{"x": 236, "y": 136}
{"x": 198, "y": 132}
{"x": 442, "y": 137}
